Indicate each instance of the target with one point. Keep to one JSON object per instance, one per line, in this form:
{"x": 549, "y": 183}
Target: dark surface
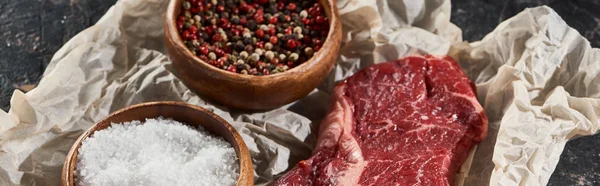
{"x": 33, "y": 31}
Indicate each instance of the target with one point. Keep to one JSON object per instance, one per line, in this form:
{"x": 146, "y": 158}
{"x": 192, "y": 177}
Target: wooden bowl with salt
{"x": 251, "y": 92}
{"x": 191, "y": 115}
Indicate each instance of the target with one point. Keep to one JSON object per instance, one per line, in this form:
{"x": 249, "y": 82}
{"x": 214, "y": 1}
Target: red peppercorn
{"x": 291, "y": 44}
{"x": 204, "y": 50}
{"x": 275, "y": 61}
{"x": 181, "y": 18}
{"x": 280, "y": 5}
{"x": 220, "y": 8}
{"x": 236, "y": 32}
{"x": 221, "y": 62}
{"x": 317, "y": 48}
{"x": 235, "y": 11}
{"x": 290, "y": 64}
{"x": 179, "y": 25}
{"x": 193, "y": 29}
{"x": 202, "y": 57}
{"x": 265, "y": 71}
{"x": 223, "y": 21}
{"x": 323, "y": 33}
{"x": 316, "y": 28}
{"x": 320, "y": 19}
{"x": 317, "y": 41}
{"x": 272, "y": 31}
{"x": 219, "y": 52}
{"x": 262, "y": 2}
{"x": 198, "y": 3}
{"x": 306, "y": 40}
{"x": 186, "y": 34}
{"x": 287, "y": 18}
{"x": 273, "y": 39}
{"x": 244, "y": 6}
{"x": 305, "y": 21}
{"x": 260, "y": 33}
{"x": 208, "y": 30}
{"x": 243, "y": 21}
{"x": 212, "y": 62}
{"x": 291, "y": 7}
{"x": 260, "y": 44}
{"x": 316, "y": 11}
{"x": 217, "y": 37}
{"x": 259, "y": 18}
{"x": 288, "y": 31}
{"x": 194, "y": 10}
{"x": 273, "y": 20}
{"x": 208, "y": 6}
{"x": 232, "y": 68}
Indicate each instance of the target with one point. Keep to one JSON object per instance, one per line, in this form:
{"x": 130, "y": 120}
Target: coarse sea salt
{"x": 156, "y": 152}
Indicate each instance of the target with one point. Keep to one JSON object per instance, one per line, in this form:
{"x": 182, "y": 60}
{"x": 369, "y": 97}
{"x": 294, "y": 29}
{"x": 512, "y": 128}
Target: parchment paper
{"x": 525, "y": 74}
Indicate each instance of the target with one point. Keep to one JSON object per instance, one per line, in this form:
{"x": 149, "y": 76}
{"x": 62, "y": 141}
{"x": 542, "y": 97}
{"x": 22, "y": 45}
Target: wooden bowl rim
{"x": 333, "y": 18}
{"x": 244, "y": 161}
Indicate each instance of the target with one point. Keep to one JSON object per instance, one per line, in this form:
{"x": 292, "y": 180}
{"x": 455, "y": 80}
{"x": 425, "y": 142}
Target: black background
{"x": 33, "y": 30}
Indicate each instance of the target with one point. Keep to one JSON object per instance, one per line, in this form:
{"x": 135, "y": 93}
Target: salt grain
{"x": 157, "y": 152}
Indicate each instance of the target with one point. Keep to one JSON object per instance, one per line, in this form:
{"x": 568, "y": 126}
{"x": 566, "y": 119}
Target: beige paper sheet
{"x": 121, "y": 61}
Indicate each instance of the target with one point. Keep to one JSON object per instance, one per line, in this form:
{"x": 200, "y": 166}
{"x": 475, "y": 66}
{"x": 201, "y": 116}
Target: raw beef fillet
{"x": 406, "y": 122}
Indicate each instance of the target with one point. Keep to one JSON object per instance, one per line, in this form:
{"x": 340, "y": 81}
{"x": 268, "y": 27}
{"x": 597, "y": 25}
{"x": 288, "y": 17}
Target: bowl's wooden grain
{"x": 248, "y": 91}
{"x": 189, "y": 114}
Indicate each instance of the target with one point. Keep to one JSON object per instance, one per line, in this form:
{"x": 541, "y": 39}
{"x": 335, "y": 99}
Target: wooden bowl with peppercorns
{"x": 253, "y": 54}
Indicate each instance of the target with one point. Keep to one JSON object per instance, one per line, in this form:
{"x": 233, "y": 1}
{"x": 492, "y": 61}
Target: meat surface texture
{"x": 407, "y": 122}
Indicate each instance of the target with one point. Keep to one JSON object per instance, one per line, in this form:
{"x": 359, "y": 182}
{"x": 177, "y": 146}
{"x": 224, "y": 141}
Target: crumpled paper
{"x": 534, "y": 82}
{"x": 538, "y": 81}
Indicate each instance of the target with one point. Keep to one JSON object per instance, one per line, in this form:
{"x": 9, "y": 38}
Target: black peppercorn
{"x": 248, "y": 41}
{"x": 251, "y": 24}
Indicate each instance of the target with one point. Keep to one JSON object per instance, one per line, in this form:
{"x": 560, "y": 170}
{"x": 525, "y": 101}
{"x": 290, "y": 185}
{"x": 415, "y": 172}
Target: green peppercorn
{"x": 258, "y": 51}
{"x": 187, "y": 25}
{"x": 241, "y": 62}
{"x": 212, "y": 56}
{"x": 293, "y": 57}
{"x": 233, "y": 57}
{"x": 224, "y": 37}
{"x": 309, "y": 51}
{"x": 247, "y": 34}
{"x": 187, "y": 5}
{"x": 303, "y": 14}
{"x": 195, "y": 43}
{"x": 187, "y": 14}
{"x": 268, "y": 46}
{"x": 244, "y": 54}
{"x": 197, "y": 18}
{"x": 269, "y": 55}
{"x": 244, "y": 72}
{"x": 254, "y": 57}
{"x": 282, "y": 57}
{"x": 298, "y": 30}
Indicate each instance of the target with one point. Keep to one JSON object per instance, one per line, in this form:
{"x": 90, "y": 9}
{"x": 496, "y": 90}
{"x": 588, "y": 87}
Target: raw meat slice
{"x": 406, "y": 122}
